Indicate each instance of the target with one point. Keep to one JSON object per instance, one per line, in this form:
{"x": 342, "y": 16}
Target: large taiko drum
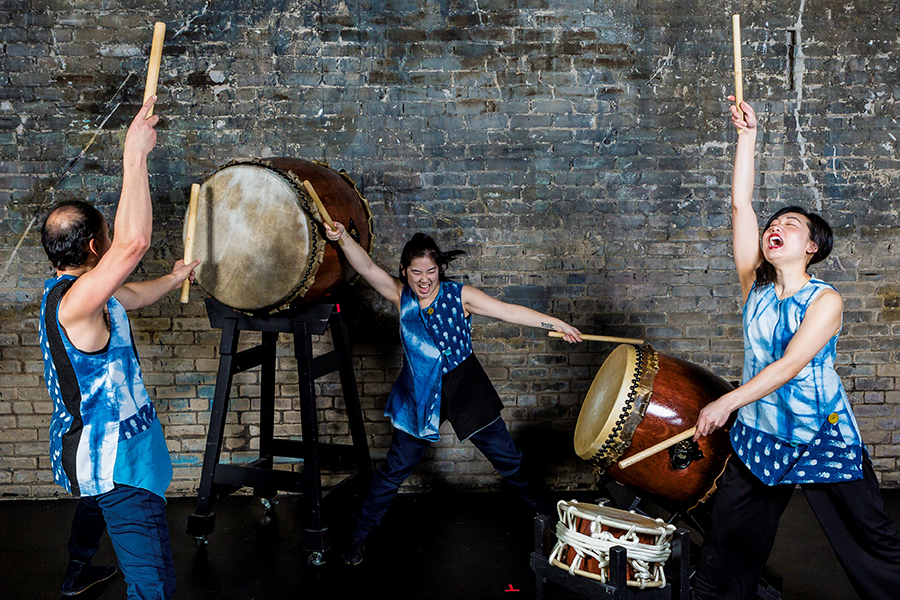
{"x": 260, "y": 238}
{"x": 639, "y": 398}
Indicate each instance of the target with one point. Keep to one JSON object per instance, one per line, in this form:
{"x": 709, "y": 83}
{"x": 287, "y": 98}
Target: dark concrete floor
{"x": 435, "y": 546}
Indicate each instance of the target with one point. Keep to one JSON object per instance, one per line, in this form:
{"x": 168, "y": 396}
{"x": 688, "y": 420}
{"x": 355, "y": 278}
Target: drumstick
{"x": 189, "y": 239}
{"x": 738, "y": 71}
{"x": 600, "y": 338}
{"x": 624, "y": 464}
{"x": 159, "y": 33}
{"x": 321, "y": 207}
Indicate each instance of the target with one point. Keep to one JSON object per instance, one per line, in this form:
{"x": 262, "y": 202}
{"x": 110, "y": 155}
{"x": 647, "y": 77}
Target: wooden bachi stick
{"x": 656, "y": 449}
{"x": 600, "y": 338}
{"x": 159, "y": 34}
{"x": 189, "y": 239}
{"x": 738, "y": 70}
{"x": 320, "y": 206}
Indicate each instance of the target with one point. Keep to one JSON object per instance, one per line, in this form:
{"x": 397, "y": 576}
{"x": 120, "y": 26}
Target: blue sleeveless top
{"x": 805, "y": 431}
{"x": 435, "y": 340}
{"x": 104, "y": 429}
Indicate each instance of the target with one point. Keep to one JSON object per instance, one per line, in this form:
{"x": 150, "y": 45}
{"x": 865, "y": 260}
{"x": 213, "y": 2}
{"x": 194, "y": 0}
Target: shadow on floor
{"x": 434, "y": 546}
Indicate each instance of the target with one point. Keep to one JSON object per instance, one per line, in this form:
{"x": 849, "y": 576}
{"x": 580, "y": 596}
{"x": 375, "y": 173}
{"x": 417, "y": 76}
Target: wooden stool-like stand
{"x": 218, "y": 480}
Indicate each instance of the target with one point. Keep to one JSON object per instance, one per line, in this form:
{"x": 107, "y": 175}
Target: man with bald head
{"x": 106, "y": 442}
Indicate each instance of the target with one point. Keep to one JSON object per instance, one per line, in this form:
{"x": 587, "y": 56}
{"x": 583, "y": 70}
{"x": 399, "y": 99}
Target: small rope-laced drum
{"x": 259, "y": 235}
{"x": 587, "y": 532}
{"x": 640, "y": 398}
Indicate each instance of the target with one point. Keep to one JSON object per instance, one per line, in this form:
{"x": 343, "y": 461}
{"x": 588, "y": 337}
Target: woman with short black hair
{"x": 794, "y": 421}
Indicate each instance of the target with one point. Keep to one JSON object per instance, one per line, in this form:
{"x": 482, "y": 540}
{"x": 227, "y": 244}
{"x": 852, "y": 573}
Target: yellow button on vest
{"x": 833, "y": 418}
{"x": 430, "y": 311}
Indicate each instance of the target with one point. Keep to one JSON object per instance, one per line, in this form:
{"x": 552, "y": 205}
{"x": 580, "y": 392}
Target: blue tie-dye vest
{"x": 435, "y": 340}
{"x": 104, "y": 429}
{"x": 805, "y": 431}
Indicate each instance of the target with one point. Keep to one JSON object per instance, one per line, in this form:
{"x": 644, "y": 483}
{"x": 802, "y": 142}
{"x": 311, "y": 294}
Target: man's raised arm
{"x": 82, "y": 306}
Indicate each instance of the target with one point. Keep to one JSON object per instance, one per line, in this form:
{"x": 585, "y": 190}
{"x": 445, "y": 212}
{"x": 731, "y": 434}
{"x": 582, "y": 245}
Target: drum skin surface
{"x": 259, "y": 235}
{"x": 607, "y": 397}
{"x": 678, "y": 391}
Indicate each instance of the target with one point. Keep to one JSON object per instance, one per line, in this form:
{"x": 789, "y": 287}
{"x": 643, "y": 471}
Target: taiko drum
{"x": 639, "y": 398}
{"x": 259, "y": 234}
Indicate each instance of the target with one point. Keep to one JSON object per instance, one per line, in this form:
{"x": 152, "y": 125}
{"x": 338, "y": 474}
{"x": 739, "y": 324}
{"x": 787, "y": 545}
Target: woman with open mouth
{"x": 441, "y": 378}
{"x": 794, "y": 421}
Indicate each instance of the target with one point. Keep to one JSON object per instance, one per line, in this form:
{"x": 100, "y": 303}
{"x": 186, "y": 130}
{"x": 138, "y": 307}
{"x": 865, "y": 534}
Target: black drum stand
{"x": 218, "y": 480}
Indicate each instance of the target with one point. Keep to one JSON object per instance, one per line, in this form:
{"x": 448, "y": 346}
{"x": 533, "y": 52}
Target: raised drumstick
{"x": 600, "y": 338}
{"x": 656, "y": 449}
{"x": 738, "y": 71}
{"x": 159, "y": 34}
{"x": 189, "y": 239}
{"x": 321, "y": 207}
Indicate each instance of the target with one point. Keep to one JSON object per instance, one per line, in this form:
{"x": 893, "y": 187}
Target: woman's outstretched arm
{"x": 383, "y": 283}
{"x": 477, "y": 302}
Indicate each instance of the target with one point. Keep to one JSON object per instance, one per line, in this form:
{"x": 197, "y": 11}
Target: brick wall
{"x": 577, "y": 150}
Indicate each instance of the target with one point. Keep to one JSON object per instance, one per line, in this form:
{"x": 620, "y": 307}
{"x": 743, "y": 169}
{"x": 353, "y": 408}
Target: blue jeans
{"x": 136, "y": 522}
{"x": 494, "y": 441}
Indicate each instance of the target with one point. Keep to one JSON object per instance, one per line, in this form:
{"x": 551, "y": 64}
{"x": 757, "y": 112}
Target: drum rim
{"x": 616, "y": 517}
{"x": 614, "y": 437}
{"x": 317, "y": 216}
{"x": 342, "y": 173}
{"x": 603, "y": 578}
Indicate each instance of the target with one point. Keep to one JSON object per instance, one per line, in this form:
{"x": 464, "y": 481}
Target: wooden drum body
{"x": 640, "y": 398}
{"x": 259, "y": 236}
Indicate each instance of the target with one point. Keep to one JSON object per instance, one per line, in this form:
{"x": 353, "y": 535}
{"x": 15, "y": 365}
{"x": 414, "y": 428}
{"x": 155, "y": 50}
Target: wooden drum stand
{"x": 218, "y": 480}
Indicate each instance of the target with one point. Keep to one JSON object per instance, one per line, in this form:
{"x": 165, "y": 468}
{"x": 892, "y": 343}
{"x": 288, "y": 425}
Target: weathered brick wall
{"x": 577, "y": 150}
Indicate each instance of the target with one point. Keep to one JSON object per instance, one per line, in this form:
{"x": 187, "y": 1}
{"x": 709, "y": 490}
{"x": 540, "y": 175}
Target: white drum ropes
{"x": 587, "y": 532}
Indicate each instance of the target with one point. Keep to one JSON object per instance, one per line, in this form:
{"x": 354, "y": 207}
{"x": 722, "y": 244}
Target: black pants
{"x": 744, "y": 520}
{"x": 494, "y": 441}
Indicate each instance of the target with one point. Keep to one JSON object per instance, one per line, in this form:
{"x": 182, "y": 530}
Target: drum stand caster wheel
{"x": 201, "y": 541}
{"x": 316, "y": 559}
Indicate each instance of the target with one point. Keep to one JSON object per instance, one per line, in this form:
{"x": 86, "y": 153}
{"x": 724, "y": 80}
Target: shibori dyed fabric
{"x": 104, "y": 429}
{"x": 436, "y": 340}
{"x": 826, "y": 459}
{"x": 805, "y": 431}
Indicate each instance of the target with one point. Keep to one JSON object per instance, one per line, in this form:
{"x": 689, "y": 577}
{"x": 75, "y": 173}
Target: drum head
{"x": 614, "y": 517}
{"x": 605, "y": 400}
{"x": 253, "y": 238}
